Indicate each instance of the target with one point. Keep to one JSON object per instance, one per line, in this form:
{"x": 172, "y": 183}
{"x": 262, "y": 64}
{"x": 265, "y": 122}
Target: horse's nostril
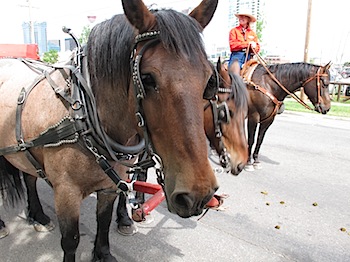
{"x": 240, "y": 168}
{"x": 183, "y": 200}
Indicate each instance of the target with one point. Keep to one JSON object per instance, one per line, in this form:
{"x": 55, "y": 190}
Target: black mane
{"x": 110, "y": 44}
{"x": 293, "y": 72}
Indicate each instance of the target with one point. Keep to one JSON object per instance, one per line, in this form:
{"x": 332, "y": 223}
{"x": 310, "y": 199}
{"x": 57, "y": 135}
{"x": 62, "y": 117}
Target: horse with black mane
{"x": 225, "y": 110}
{"x": 76, "y": 131}
{"x": 268, "y": 86}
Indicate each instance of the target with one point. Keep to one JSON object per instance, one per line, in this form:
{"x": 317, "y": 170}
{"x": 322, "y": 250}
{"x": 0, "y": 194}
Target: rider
{"x": 243, "y": 40}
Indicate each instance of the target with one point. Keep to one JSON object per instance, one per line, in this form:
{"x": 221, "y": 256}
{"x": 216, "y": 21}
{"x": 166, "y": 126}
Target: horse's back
{"x": 41, "y": 106}
{"x": 14, "y": 74}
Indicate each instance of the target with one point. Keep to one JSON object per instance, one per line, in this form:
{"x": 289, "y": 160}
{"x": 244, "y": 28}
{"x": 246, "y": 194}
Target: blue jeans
{"x": 239, "y": 56}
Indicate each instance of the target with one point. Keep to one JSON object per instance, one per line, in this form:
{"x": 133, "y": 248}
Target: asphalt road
{"x": 303, "y": 189}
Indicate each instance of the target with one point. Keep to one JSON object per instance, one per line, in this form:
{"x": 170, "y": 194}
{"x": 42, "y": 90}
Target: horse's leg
{"x": 140, "y": 196}
{"x": 36, "y": 215}
{"x": 252, "y": 125}
{"x": 126, "y": 225}
{"x": 67, "y": 204}
{"x": 105, "y": 202}
{"x": 262, "y": 131}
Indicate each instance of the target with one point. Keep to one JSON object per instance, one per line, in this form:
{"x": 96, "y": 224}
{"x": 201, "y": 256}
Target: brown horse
{"x": 224, "y": 123}
{"x": 55, "y": 126}
{"x": 224, "y": 119}
{"x": 268, "y": 90}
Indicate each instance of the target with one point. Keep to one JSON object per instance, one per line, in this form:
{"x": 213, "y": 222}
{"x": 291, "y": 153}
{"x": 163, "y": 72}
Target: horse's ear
{"x": 218, "y": 65}
{"x": 204, "y": 12}
{"x": 327, "y": 66}
{"x": 138, "y": 15}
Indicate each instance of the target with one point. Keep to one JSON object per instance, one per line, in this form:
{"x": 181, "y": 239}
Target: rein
{"x": 299, "y": 100}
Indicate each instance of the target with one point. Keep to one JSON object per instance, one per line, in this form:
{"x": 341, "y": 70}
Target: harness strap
{"x": 57, "y": 89}
{"x": 64, "y": 132}
{"x": 39, "y": 169}
{"x": 20, "y": 103}
{"x": 112, "y": 174}
{"x": 269, "y": 95}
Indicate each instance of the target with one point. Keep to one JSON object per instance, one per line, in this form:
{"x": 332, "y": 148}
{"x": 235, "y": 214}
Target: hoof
{"x": 127, "y": 230}
{"x": 147, "y": 221}
{"x": 249, "y": 167}
{"x": 257, "y": 165}
{"x": 43, "y": 228}
{"x": 4, "y": 232}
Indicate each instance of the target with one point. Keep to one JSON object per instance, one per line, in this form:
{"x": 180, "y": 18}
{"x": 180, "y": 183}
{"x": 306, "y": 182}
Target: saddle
{"x": 248, "y": 70}
{"x": 247, "y": 73}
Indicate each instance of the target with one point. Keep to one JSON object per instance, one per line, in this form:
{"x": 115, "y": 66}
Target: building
{"x": 276, "y": 59}
{"x": 237, "y": 6}
{"x": 40, "y": 35}
{"x": 54, "y": 45}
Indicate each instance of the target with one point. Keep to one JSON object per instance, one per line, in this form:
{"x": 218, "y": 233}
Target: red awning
{"x": 19, "y": 50}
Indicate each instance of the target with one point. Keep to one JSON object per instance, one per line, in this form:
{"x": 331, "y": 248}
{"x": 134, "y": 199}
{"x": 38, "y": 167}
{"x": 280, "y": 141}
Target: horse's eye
{"x": 148, "y": 82}
{"x": 231, "y": 113}
{"x": 325, "y": 82}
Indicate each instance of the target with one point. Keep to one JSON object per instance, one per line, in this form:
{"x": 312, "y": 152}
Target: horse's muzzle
{"x": 321, "y": 109}
{"x": 236, "y": 170}
{"x": 187, "y": 204}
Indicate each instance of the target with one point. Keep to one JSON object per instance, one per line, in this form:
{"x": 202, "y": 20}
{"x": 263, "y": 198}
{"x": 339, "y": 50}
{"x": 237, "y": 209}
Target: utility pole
{"x": 31, "y": 22}
{"x": 307, "y": 37}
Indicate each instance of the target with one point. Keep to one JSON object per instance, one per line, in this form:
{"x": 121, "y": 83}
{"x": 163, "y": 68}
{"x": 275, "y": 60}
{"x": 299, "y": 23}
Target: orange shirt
{"x": 239, "y": 40}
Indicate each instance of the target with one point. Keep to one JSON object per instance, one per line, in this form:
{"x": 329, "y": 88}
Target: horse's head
{"x": 225, "y": 128}
{"x": 171, "y": 71}
{"x": 316, "y": 88}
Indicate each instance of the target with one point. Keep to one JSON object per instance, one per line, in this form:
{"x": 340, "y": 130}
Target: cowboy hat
{"x": 251, "y": 17}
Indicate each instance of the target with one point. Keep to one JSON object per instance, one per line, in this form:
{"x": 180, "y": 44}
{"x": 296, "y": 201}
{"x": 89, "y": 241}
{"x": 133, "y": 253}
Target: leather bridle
{"x": 221, "y": 115}
{"x": 319, "y": 85}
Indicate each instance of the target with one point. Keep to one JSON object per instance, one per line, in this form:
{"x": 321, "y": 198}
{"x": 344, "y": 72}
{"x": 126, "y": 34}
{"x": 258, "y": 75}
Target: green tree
{"x": 347, "y": 64}
{"x": 84, "y": 35}
{"x": 50, "y": 57}
{"x": 260, "y": 25}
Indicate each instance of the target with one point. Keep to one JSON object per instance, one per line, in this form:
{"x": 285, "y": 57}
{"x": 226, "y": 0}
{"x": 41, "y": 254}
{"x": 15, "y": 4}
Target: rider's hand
{"x": 252, "y": 44}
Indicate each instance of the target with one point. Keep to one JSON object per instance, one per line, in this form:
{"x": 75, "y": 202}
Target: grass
{"x": 341, "y": 109}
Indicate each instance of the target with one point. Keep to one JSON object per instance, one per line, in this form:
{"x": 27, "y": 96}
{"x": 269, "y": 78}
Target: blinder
{"x": 212, "y": 86}
{"x": 223, "y": 113}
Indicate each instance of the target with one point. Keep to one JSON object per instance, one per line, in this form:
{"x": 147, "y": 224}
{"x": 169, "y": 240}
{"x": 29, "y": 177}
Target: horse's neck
{"x": 116, "y": 114}
{"x": 292, "y": 83}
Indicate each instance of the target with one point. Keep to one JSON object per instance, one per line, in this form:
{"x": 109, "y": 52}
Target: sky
{"x": 284, "y": 20}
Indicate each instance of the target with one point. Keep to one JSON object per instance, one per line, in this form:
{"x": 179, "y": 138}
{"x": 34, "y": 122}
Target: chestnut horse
{"x": 55, "y": 126}
{"x": 224, "y": 119}
{"x": 268, "y": 87}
